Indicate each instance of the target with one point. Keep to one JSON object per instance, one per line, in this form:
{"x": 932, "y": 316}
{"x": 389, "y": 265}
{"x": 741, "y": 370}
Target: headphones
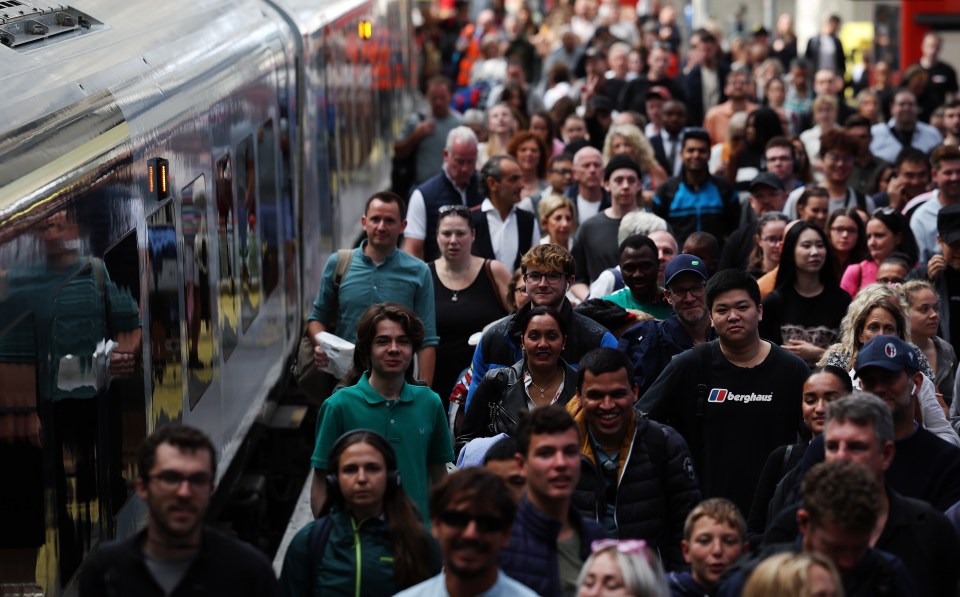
{"x": 377, "y": 441}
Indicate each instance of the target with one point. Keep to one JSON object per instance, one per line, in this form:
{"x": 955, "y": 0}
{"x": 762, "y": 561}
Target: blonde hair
{"x": 552, "y": 203}
{"x": 788, "y": 575}
{"x": 867, "y": 299}
{"x": 637, "y": 141}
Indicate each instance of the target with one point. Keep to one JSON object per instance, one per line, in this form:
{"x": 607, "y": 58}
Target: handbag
{"x": 318, "y": 385}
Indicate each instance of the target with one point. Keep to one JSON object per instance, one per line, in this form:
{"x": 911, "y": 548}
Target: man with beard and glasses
{"x": 176, "y": 554}
{"x": 472, "y": 512}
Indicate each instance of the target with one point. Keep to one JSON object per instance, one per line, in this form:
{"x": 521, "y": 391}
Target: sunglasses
{"x": 460, "y": 210}
{"x": 460, "y": 520}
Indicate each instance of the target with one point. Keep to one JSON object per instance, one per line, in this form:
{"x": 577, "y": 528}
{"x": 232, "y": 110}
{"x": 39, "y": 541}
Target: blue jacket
{"x": 499, "y": 347}
{"x": 531, "y": 556}
{"x": 651, "y": 344}
{"x": 683, "y": 585}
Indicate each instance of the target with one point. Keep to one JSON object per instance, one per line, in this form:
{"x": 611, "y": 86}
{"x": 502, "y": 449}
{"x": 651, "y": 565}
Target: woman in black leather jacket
{"x": 541, "y": 377}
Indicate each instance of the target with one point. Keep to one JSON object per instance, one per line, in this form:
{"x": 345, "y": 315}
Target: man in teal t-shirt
{"x": 640, "y": 266}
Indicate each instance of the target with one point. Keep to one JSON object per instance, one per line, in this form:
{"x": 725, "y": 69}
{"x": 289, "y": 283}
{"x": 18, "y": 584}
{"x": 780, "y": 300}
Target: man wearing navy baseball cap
{"x": 651, "y": 344}
{"x": 925, "y": 467}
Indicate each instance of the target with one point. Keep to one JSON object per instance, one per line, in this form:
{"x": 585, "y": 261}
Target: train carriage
{"x": 172, "y": 178}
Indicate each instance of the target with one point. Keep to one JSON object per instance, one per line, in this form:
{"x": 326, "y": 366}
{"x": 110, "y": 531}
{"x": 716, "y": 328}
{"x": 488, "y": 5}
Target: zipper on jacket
{"x": 357, "y": 553}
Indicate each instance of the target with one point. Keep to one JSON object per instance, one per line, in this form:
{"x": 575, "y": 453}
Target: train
{"x": 173, "y": 176}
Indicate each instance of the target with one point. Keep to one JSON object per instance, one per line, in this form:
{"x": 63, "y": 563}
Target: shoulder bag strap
{"x": 488, "y": 269}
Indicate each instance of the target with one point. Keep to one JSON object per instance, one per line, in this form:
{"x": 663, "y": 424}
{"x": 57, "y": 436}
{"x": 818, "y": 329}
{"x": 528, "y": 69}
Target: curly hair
{"x": 550, "y": 257}
{"x": 843, "y": 493}
{"x": 642, "y": 150}
{"x": 874, "y": 296}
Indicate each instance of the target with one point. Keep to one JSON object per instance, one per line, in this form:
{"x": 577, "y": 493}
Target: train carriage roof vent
{"x": 25, "y": 25}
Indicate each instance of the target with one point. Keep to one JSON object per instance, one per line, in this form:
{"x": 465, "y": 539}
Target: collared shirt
{"x": 886, "y": 146}
{"x": 401, "y": 278}
{"x": 417, "y": 211}
{"x": 504, "y": 233}
{"x": 528, "y": 381}
{"x": 415, "y": 424}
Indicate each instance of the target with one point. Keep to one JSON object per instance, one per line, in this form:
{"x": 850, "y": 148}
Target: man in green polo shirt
{"x": 640, "y": 267}
{"x": 411, "y": 417}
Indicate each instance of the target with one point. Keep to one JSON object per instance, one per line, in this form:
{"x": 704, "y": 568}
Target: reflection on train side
{"x": 249, "y": 247}
{"x": 196, "y": 290}
{"x": 226, "y": 246}
{"x": 71, "y": 399}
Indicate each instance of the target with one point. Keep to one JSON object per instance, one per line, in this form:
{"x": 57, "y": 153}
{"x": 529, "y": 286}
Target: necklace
{"x": 543, "y": 390}
{"x": 458, "y": 278}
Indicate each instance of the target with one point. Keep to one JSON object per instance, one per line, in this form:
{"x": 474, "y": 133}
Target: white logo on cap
{"x": 890, "y": 350}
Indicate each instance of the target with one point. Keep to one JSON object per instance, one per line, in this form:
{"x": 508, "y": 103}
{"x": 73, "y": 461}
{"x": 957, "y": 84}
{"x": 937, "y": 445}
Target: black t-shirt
{"x": 789, "y": 316}
{"x": 943, "y": 80}
{"x": 747, "y": 413}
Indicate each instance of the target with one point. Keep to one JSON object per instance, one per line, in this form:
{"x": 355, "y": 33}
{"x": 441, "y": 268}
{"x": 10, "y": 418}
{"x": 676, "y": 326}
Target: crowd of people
{"x": 678, "y": 308}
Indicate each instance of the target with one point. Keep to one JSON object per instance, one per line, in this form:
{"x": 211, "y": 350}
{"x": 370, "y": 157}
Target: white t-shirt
{"x": 586, "y": 209}
{"x": 417, "y": 213}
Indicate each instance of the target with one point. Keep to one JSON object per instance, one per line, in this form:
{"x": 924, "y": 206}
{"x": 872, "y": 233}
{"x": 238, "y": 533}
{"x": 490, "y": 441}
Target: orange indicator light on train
{"x": 365, "y": 29}
{"x": 158, "y": 178}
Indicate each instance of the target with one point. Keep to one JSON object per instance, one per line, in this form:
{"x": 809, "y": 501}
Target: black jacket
{"x": 483, "y": 245}
{"x": 224, "y": 566}
{"x": 656, "y": 489}
{"x": 914, "y": 532}
{"x": 693, "y": 88}
{"x": 504, "y": 387}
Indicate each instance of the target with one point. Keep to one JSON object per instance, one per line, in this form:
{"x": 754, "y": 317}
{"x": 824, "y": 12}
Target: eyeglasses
{"x": 461, "y": 520}
{"x": 535, "y": 277}
{"x": 520, "y": 290}
{"x": 172, "y": 480}
{"x": 695, "y": 291}
{"x": 771, "y": 240}
{"x": 837, "y": 158}
{"x": 460, "y": 210}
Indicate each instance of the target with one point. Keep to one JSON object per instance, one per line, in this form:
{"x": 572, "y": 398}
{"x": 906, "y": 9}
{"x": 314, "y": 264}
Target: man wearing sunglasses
{"x": 177, "y": 554}
{"x": 548, "y": 273}
{"x": 472, "y": 513}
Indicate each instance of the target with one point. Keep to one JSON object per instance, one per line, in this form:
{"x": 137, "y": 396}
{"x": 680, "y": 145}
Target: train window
{"x": 164, "y": 306}
{"x": 226, "y": 241}
{"x": 269, "y": 214}
{"x": 196, "y": 289}
{"x": 248, "y": 249}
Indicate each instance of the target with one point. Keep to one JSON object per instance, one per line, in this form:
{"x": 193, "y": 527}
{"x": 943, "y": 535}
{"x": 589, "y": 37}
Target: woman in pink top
{"x": 887, "y": 233}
